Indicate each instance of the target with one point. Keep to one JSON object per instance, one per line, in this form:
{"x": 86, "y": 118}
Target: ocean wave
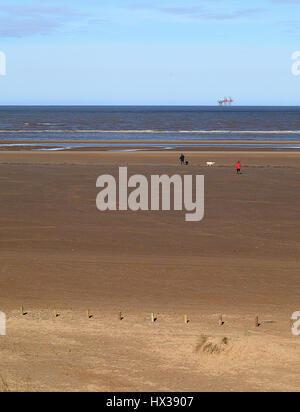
{"x": 156, "y": 131}
{"x": 145, "y": 146}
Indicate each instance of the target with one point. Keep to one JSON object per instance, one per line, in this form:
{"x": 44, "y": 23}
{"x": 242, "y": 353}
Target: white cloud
{"x": 22, "y": 21}
{"x": 198, "y": 12}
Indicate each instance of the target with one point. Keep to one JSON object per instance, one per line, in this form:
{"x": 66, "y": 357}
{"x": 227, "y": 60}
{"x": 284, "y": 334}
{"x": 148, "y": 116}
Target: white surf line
{"x": 18, "y": 144}
{"x": 128, "y": 150}
{"x": 52, "y": 149}
{"x": 158, "y": 131}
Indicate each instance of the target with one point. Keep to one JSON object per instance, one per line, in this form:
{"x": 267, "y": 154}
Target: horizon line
{"x": 145, "y": 105}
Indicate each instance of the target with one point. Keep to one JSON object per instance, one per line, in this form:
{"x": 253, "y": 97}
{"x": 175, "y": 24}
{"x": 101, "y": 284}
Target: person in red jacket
{"x": 238, "y": 167}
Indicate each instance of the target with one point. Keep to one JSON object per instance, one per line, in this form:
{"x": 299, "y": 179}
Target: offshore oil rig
{"x": 227, "y": 101}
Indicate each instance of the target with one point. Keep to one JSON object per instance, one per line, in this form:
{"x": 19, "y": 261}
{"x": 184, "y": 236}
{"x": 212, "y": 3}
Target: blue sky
{"x": 168, "y": 52}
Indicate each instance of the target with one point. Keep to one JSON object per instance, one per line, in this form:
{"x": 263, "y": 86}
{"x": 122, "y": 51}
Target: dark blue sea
{"x": 146, "y": 124}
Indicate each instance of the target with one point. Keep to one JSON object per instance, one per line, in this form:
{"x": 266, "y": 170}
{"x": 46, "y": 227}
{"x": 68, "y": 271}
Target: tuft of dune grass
{"x": 211, "y": 345}
{"x": 3, "y": 385}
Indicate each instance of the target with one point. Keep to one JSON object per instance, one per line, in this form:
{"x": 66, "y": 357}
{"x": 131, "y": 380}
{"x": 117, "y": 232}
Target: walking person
{"x": 238, "y": 167}
{"x": 181, "y": 158}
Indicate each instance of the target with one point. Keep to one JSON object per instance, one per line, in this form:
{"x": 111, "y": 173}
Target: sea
{"x": 68, "y": 127}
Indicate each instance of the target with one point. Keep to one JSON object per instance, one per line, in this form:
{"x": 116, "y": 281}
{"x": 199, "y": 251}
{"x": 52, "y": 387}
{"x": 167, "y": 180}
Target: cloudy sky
{"x": 177, "y": 52}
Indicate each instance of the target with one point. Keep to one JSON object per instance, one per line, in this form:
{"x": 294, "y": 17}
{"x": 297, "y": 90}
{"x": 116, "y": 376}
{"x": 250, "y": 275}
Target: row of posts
{"x": 152, "y": 317}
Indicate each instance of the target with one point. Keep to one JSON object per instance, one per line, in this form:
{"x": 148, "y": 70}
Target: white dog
{"x": 210, "y": 164}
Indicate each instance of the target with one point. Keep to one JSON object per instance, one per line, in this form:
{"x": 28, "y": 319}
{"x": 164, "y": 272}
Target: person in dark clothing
{"x": 181, "y": 158}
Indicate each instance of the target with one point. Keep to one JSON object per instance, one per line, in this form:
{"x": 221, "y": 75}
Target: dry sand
{"x": 58, "y": 251}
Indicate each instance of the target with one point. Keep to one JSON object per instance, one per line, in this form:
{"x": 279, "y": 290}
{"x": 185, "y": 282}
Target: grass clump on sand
{"x": 211, "y": 345}
{"x": 3, "y": 385}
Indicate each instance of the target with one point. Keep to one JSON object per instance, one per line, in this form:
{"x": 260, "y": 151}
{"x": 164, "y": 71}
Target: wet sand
{"x": 150, "y": 145}
{"x": 59, "y": 252}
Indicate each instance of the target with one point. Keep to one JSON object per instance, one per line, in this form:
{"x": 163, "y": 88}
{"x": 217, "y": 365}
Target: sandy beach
{"x": 58, "y": 252}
